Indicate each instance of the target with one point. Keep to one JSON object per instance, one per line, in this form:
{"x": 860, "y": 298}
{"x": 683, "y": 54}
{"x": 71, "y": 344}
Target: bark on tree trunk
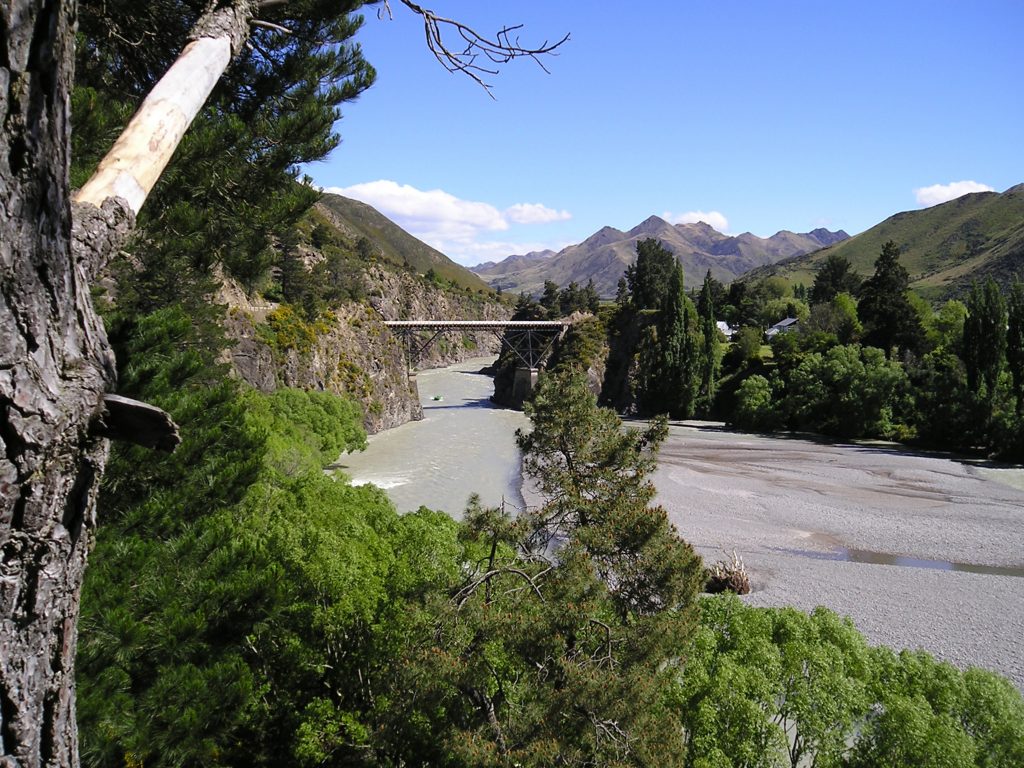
{"x": 55, "y": 365}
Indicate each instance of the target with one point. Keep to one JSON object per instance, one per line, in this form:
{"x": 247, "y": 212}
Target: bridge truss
{"x": 529, "y": 340}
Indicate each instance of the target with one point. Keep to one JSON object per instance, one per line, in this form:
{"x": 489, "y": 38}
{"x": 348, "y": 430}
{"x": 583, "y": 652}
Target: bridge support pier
{"x": 523, "y": 382}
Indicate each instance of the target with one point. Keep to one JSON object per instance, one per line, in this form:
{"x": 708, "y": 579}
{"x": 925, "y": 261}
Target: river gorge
{"x": 921, "y": 551}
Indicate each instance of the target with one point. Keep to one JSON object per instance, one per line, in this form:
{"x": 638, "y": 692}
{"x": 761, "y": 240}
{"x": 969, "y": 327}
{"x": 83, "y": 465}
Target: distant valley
{"x": 604, "y": 256}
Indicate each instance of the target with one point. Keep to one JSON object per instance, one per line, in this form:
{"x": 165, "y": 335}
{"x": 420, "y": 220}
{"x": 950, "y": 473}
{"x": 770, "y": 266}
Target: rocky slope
{"x": 604, "y": 256}
{"x": 349, "y": 351}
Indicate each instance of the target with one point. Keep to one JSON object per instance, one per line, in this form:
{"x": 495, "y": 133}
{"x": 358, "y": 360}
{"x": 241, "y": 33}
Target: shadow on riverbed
{"x": 862, "y": 446}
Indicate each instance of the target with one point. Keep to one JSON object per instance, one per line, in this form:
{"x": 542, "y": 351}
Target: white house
{"x": 783, "y": 326}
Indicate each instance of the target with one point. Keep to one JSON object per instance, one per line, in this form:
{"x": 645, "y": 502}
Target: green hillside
{"x": 944, "y": 247}
{"x": 394, "y": 243}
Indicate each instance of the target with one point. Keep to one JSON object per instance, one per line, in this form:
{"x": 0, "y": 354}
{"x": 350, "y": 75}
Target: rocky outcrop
{"x": 353, "y": 355}
{"x": 350, "y": 351}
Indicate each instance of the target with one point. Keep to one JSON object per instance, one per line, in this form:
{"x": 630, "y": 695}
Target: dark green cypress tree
{"x": 985, "y": 339}
{"x": 1015, "y": 341}
{"x": 673, "y": 356}
{"x": 834, "y": 276}
{"x": 649, "y": 277}
{"x": 889, "y": 319}
{"x": 709, "y": 349}
{"x": 622, "y": 292}
{"x": 551, "y": 298}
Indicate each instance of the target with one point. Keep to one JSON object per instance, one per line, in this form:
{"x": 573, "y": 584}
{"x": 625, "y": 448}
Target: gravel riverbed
{"x": 920, "y": 551}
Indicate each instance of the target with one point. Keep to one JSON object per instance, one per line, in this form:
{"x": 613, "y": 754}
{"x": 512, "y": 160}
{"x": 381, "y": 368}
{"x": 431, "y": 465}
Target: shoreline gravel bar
{"x": 882, "y": 534}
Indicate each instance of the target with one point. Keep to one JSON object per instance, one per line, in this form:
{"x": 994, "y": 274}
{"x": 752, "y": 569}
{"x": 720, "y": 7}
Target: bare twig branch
{"x": 467, "y": 591}
{"x": 481, "y": 55}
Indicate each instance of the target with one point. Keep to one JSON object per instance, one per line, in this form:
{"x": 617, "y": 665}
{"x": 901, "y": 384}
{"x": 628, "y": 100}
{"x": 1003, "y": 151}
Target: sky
{"x": 752, "y": 115}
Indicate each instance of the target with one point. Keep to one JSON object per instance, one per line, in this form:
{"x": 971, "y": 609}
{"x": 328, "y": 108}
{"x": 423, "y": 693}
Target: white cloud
{"x": 942, "y": 193}
{"x": 712, "y": 218}
{"x": 535, "y": 213}
{"x": 456, "y": 227}
{"x": 431, "y": 207}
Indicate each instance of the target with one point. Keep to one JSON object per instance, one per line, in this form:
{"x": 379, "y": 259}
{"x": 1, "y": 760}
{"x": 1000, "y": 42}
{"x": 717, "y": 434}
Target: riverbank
{"x": 920, "y": 551}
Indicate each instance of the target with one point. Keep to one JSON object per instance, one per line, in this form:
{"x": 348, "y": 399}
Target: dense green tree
{"x": 1015, "y": 342}
{"x": 746, "y": 344}
{"x": 984, "y": 346}
{"x": 622, "y": 292}
{"x": 834, "y": 276}
{"x": 709, "y": 350}
{"x": 946, "y": 327}
{"x": 836, "y": 317}
{"x": 772, "y": 687}
{"x": 848, "y": 391}
{"x": 890, "y": 321}
{"x": 649, "y": 277}
{"x": 755, "y": 409}
{"x": 670, "y": 357}
{"x": 295, "y": 278}
{"x": 230, "y": 578}
{"x": 556, "y": 642}
{"x": 549, "y": 299}
{"x": 594, "y": 479}
{"x": 591, "y": 299}
{"x": 943, "y": 404}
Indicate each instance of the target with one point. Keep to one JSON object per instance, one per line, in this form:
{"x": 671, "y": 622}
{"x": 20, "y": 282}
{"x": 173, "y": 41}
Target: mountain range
{"x": 944, "y": 248}
{"x": 604, "y": 256}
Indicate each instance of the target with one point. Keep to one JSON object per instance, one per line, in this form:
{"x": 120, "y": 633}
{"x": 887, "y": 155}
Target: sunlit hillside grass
{"x": 944, "y": 247}
{"x": 395, "y": 244}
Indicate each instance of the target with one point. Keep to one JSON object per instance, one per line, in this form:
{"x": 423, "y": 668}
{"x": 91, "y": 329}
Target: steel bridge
{"x": 529, "y": 340}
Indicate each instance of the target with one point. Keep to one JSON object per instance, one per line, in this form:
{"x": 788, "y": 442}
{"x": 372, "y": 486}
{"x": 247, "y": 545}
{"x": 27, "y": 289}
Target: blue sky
{"x": 753, "y": 116}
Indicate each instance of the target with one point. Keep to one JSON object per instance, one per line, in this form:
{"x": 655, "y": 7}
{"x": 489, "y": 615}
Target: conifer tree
{"x": 622, "y": 292}
{"x": 649, "y": 276}
{"x": 889, "y": 318}
{"x": 1015, "y": 341}
{"x": 709, "y": 350}
{"x": 985, "y": 339}
{"x": 558, "y": 642}
{"x": 835, "y": 276}
{"x": 672, "y": 360}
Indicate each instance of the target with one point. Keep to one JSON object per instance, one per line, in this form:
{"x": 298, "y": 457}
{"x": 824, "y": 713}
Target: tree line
{"x": 861, "y": 356}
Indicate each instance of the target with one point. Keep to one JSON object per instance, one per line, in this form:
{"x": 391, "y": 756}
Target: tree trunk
{"x": 55, "y": 362}
{"x": 55, "y": 365}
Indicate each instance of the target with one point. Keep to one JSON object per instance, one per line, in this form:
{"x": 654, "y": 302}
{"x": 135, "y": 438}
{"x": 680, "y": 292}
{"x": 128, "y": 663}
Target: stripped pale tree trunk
{"x": 55, "y": 362}
{"x": 142, "y": 151}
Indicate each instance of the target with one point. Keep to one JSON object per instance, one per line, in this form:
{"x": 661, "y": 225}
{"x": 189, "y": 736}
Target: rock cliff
{"x": 349, "y": 350}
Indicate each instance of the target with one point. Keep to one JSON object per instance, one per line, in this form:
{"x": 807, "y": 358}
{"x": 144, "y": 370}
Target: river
{"x": 919, "y": 550}
{"x": 464, "y": 444}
